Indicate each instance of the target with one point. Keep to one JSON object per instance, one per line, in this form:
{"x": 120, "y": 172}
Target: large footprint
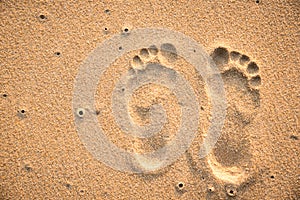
{"x": 230, "y": 161}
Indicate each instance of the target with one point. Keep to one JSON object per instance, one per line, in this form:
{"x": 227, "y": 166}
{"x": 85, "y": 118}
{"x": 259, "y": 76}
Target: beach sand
{"x": 255, "y": 46}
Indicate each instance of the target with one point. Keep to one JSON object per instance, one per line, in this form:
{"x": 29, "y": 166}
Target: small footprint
{"x": 230, "y": 160}
{"x": 164, "y": 55}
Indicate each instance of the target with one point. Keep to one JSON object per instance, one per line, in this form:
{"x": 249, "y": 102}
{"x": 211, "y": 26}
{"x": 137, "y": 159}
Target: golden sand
{"x": 255, "y": 45}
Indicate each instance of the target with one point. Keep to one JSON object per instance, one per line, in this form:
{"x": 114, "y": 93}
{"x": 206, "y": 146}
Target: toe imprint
{"x": 220, "y": 56}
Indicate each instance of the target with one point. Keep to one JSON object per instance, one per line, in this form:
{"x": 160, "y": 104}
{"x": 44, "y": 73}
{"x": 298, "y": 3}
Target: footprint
{"x": 230, "y": 161}
{"x": 140, "y": 109}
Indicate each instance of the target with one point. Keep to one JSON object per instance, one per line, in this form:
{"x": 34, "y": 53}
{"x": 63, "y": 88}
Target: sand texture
{"x": 50, "y": 148}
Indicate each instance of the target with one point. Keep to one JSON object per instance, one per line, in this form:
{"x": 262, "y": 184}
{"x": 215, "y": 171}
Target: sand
{"x": 255, "y": 46}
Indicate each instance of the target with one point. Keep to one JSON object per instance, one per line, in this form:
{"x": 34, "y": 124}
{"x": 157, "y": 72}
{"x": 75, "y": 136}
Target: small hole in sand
{"x": 81, "y": 192}
{"x": 257, "y": 1}
{"x": 28, "y": 168}
{"x": 211, "y": 188}
{"x": 180, "y": 186}
{"x": 97, "y": 112}
{"x": 21, "y": 114}
{"x": 231, "y": 191}
{"x": 80, "y": 112}
{"x": 294, "y": 137}
{"x": 43, "y": 17}
{"x": 120, "y": 48}
{"x": 69, "y": 186}
{"x": 107, "y": 11}
{"x": 57, "y": 53}
{"x": 125, "y": 31}
{"x": 4, "y": 95}
{"x": 123, "y": 89}
{"x": 272, "y": 176}
{"x": 105, "y": 30}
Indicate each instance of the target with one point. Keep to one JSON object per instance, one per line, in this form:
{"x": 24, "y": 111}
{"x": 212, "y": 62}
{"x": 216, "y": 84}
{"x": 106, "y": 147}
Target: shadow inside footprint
{"x": 233, "y": 147}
